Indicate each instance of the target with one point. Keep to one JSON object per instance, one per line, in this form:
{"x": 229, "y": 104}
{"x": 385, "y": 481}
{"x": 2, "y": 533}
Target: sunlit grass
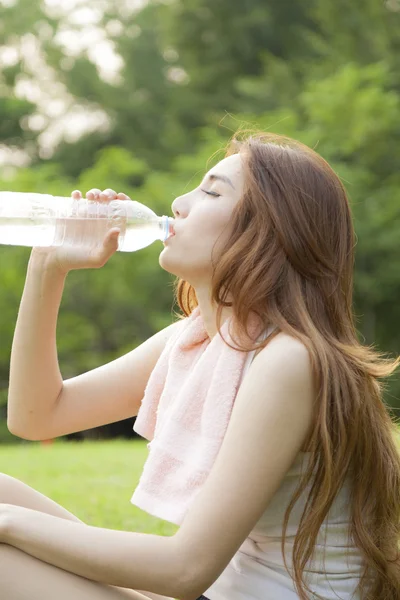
{"x": 93, "y": 479}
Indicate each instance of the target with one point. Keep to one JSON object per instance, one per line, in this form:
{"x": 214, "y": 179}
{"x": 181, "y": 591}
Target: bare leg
{"x": 24, "y": 577}
{"x": 14, "y": 491}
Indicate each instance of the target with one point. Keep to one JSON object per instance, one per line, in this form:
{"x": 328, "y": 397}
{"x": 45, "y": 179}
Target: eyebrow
{"x": 214, "y": 176}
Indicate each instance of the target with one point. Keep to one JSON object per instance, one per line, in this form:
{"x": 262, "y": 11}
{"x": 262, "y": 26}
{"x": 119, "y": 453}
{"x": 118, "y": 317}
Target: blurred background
{"x": 137, "y": 96}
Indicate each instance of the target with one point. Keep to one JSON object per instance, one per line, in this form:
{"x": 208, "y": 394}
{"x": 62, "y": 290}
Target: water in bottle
{"x": 43, "y": 220}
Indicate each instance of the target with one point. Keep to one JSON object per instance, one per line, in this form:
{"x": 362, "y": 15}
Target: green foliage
{"x": 114, "y": 167}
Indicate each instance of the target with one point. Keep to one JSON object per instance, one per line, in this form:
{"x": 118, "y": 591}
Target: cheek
{"x": 189, "y": 253}
{"x": 215, "y": 231}
{"x": 221, "y": 237}
{"x": 197, "y": 243}
{"x": 209, "y": 220}
{"x": 202, "y": 239}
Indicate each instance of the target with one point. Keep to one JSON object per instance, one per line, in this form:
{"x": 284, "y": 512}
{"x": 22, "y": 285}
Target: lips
{"x": 171, "y": 228}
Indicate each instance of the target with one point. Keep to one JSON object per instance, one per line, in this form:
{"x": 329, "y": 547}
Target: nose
{"x": 174, "y": 208}
{"x": 180, "y": 206}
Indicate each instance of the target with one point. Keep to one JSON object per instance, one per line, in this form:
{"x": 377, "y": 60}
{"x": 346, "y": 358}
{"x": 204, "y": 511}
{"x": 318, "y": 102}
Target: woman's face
{"x": 200, "y": 219}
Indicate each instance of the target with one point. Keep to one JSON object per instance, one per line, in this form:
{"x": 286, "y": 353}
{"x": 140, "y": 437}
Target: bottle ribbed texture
{"x": 30, "y": 219}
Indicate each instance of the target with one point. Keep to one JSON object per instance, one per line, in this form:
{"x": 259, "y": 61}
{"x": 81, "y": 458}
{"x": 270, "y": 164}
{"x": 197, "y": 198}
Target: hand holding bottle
{"x": 66, "y": 258}
{"x": 77, "y": 233}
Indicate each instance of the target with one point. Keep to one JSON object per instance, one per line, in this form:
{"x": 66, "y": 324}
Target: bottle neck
{"x": 164, "y": 224}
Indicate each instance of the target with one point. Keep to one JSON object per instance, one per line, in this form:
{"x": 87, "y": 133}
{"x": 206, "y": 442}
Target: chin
{"x": 192, "y": 273}
{"x": 174, "y": 269}
{"x": 167, "y": 265}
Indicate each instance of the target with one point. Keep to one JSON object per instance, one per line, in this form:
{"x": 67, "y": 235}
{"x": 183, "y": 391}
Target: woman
{"x": 308, "y": 502}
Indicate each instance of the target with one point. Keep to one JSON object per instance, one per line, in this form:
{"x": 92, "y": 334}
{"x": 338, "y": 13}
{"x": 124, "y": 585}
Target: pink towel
{"x": 185, "y": 413}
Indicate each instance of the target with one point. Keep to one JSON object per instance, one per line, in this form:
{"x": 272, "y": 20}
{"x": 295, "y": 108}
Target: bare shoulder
{"x": 285, "y": 364}
{"x": 285, "y": 345}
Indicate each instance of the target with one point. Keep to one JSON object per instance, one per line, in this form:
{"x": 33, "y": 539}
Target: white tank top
{"x": 257, "y": 571}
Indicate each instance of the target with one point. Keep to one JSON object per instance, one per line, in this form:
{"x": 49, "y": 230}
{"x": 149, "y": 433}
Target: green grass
{"x": 92, "y": 479}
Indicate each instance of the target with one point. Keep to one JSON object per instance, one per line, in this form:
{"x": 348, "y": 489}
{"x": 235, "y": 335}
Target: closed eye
{"x": 211, "y": 193}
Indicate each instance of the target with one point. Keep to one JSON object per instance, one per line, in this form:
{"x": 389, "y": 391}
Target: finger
{"x": 107, "y": 195}
{"x": 93, "y": 194}
{"x": 109, "y": 192}
{"x": 122, "y": 196}
{"x": 76, "y": 194}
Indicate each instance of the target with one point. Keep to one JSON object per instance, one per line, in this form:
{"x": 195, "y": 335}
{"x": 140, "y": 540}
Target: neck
{"x": 209, "y": 311}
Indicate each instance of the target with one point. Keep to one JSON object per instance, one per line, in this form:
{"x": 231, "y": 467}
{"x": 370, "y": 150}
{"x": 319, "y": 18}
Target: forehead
{"x": 231, "y": 166}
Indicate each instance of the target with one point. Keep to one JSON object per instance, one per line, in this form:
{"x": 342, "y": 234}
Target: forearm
{"x": 35, "y": 378}
{"x": 120, "y": 558}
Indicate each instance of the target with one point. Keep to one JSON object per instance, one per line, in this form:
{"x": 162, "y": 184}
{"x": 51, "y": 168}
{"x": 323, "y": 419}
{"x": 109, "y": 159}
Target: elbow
{"x": 192, "y": 584}
{"x": 193, "y": 575}
{"x": 18, "y": 432}
{"x": 191, "y": 589}
{"x": 180, "y": 581}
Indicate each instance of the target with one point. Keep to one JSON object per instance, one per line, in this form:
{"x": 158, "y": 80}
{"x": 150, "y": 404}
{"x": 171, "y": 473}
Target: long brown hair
{"x": 290, "y": 259}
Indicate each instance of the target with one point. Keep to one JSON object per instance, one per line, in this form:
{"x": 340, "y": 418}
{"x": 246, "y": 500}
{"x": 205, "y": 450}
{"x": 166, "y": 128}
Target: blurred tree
{"x": 148, "y": 111}
{"x": 16, "y": 23}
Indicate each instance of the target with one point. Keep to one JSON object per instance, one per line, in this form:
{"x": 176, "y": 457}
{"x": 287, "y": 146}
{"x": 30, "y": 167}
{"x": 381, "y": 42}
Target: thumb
{"x": 110, "y": 243}
{"x": 111, "y": 239}
{"x": 101, "y": 254}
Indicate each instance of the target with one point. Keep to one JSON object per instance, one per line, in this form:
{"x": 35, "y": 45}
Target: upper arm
{"x": 109, "y": 393}
{"x": 269, "y": 423}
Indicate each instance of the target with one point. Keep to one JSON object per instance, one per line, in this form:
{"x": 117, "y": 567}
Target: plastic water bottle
{"x": 43, "y": 220}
